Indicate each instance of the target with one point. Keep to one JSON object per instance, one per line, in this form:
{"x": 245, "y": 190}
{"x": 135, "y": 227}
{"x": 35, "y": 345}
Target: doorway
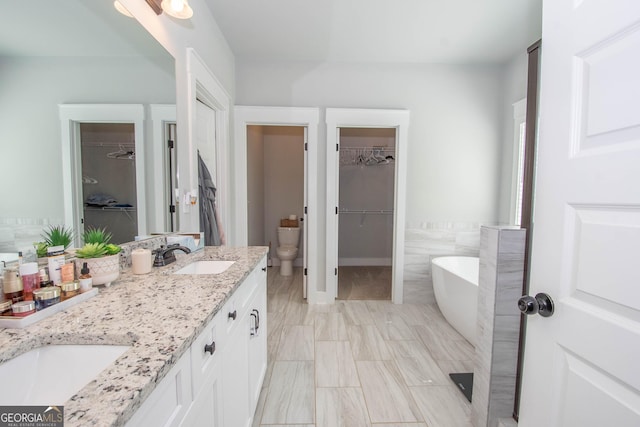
{"x": 342, "y": 118}
{"x": 366, "y": 178}
{"x": 108, "y": 154}
{"x": 276, "y": 192}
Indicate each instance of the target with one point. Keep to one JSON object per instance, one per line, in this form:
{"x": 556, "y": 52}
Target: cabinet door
{"x": 235, "y": 378}
{"x": 257, "y": 339}
{"x": 168, "y": 403}
{"x": 206, "y": 409}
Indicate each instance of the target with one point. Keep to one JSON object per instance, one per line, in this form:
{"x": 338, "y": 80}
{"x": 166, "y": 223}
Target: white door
{"x": 305, "y": 235}
{"x": 582, "y": 365}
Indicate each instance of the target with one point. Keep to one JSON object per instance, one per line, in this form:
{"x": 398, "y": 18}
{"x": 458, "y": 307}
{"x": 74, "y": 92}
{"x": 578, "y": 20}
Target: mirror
{"x": 64, "y": 52}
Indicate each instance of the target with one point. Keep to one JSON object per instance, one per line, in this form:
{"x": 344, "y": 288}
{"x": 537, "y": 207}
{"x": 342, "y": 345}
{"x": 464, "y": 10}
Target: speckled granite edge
{"x": 159, "y": 315}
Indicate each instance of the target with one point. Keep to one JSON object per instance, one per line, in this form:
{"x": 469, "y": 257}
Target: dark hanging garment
{"x": 207, "y": 194}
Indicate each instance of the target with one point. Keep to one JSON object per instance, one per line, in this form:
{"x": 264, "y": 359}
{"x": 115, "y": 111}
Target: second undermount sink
{"x": 50, "y": 375}
{"x": 205, "y": 267}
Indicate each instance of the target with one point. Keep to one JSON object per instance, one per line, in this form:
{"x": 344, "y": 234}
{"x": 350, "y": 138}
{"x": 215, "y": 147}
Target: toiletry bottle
{"x": 86, "y": 282}
{"x": 55, "y": 256}
{"x": 30, "y": 279}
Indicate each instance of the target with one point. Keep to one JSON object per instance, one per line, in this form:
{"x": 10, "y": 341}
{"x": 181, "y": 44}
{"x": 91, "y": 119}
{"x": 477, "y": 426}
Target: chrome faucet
{"x": 166, "y": 256}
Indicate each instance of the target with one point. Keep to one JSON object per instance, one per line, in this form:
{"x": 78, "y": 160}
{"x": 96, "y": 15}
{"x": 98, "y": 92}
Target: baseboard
{"x": 368, "y": 262}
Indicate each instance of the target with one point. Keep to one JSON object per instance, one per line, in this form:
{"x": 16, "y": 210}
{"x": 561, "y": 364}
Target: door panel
{"x": 580, "y": 365}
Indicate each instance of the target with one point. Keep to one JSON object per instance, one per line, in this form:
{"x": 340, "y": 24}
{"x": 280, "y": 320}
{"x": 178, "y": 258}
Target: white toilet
{"x": 287, "y": 248}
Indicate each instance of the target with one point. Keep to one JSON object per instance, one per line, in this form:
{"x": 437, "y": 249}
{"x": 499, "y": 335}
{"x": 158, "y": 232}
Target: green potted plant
{"x": 101, "y": 256}
{"x": 55, "y": 235}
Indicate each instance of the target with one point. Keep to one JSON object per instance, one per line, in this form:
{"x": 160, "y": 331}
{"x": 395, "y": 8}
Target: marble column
{"x": 500, "y": 286}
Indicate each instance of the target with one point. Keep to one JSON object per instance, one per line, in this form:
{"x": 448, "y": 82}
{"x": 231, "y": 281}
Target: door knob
{"x": 541, "y": 304}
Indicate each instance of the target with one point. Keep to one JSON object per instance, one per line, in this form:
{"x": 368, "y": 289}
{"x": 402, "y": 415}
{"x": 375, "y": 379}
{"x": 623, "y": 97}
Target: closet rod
{"x": 367, "y": 211}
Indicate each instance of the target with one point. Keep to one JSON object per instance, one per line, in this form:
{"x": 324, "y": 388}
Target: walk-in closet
{"x": 109, "y": 178}
{"x": 366, "y": 202}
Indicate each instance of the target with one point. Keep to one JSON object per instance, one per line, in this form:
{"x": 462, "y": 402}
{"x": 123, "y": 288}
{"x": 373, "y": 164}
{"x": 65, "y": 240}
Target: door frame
{"x": 157, "y": 165}
{"x": 280, "y": 116}
{"x": 366, "y": 118}
{"x": 71, "y": 115}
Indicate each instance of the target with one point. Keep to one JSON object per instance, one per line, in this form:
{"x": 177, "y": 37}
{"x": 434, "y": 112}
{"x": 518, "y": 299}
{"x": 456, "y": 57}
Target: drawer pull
{"x": 233, "y": 314}
{"x": 255, "y": 314}
{"x": 264, "y": 268}
{"x": 211, "y": 348}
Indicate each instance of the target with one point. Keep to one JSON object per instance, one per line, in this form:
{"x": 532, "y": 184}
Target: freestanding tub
{"x": 455, "y": 285}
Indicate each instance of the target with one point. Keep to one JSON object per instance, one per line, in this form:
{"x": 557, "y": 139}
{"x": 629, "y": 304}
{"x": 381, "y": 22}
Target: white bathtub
{"x": 455, "y": 284}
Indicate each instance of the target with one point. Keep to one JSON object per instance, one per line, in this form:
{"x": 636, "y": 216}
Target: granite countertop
{"x": 159, "y": 315}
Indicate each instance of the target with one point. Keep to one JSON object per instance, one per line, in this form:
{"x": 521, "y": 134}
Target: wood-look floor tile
{"x": 274, "y": 331}
{"x": 392, "y": 327}
{"x": 442, "y": 406}
{"x": 412, "y": 314}
{"x": 257, "y": 416}
{"x": 388, "y": 398}
{"x": 290, "y": 396}
{"x": 330, "y": 327}
{"x": 367, "y": 343}
{"x": 453, "y": 366}
{"x": 335, "y": 366}
{"x": 341, "y": 407}
{"x": 399, "y": 425}
{"x": 355, "y": 312}
{"x": 445, "y": 349}
{"x": 298, "y": 313}
{"x": 296, "y": 343}
{"x": 417, "y": 366}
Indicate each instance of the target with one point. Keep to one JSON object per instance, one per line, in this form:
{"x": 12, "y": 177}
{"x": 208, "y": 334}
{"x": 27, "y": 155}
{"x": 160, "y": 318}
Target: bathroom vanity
{"x": 198, "y": 350}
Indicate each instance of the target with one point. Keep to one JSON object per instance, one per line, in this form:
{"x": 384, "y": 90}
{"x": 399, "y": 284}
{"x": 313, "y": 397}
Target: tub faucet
{"x": 165, "y": 256}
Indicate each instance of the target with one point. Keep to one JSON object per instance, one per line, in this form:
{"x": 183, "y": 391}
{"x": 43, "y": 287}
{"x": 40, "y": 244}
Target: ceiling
{"x": 72, "y": 28}
{"x": 378, "y": 31}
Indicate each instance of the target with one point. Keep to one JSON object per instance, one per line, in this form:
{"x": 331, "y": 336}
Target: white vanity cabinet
{"x": 218, "y": 381}
{"x": 242, "y": 352}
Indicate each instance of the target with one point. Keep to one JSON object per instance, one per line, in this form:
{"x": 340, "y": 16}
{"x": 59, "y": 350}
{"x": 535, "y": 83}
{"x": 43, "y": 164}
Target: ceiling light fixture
{"x": 177, "y": 8}
{"x": 120, "y": 8}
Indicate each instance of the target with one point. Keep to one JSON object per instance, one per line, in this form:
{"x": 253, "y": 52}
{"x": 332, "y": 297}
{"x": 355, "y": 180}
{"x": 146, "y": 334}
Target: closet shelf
{"x": 110, "y": 208}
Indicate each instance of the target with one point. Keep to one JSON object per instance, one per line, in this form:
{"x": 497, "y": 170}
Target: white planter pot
{"x": 103, "y": 270}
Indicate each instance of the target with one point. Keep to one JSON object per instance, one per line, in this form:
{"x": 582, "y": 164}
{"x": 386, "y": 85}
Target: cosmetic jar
{"x": 12, "y": 286}
{"x": 5, "y": 308}
{"x": 46, "y": 297}
{"x": 23, "y": 308}
{"x": 69, "y": 289}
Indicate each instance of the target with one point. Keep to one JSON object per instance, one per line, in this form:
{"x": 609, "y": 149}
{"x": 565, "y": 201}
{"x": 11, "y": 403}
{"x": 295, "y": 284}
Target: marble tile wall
{"x": 495, "y": 364}
{"x": 426, "y": 240}
{"x": 19, "y": 234}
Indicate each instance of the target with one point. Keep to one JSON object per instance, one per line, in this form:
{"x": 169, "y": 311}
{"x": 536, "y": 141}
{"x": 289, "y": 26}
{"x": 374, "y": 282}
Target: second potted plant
{"x": 101, "y": 256}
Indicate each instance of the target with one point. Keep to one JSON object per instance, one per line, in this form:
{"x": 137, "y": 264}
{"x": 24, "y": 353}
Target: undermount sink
{"x": 205, "y": 267}
{"x": 51, "y": 375}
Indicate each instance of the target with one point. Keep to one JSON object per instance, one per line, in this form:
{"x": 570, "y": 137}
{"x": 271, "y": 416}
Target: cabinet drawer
{"x": 237, "y": 307}
{"x": 205, "y": 351}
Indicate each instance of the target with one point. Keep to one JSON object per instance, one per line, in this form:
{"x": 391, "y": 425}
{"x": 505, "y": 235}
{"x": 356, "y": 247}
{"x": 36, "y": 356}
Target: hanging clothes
{"x": 208, "y": 215}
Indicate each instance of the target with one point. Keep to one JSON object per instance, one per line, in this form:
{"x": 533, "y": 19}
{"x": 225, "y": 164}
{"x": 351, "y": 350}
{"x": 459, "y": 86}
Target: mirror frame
{"x": 71, "y": 115}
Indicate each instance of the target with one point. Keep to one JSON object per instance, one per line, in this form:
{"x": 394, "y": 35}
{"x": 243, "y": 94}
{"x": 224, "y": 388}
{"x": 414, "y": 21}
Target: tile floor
{"x": 359, "y": 363}
{"x": 364, "y": 283}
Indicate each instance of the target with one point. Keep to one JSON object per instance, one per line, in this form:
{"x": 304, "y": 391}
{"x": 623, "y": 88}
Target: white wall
{"x": 202, "y": 34}
{"x": 455, "y": 137}
{"x": 31, "y": 90}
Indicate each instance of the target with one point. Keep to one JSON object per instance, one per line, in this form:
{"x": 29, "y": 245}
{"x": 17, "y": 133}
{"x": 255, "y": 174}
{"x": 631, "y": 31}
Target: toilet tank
{"x": 288, "y": 236}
